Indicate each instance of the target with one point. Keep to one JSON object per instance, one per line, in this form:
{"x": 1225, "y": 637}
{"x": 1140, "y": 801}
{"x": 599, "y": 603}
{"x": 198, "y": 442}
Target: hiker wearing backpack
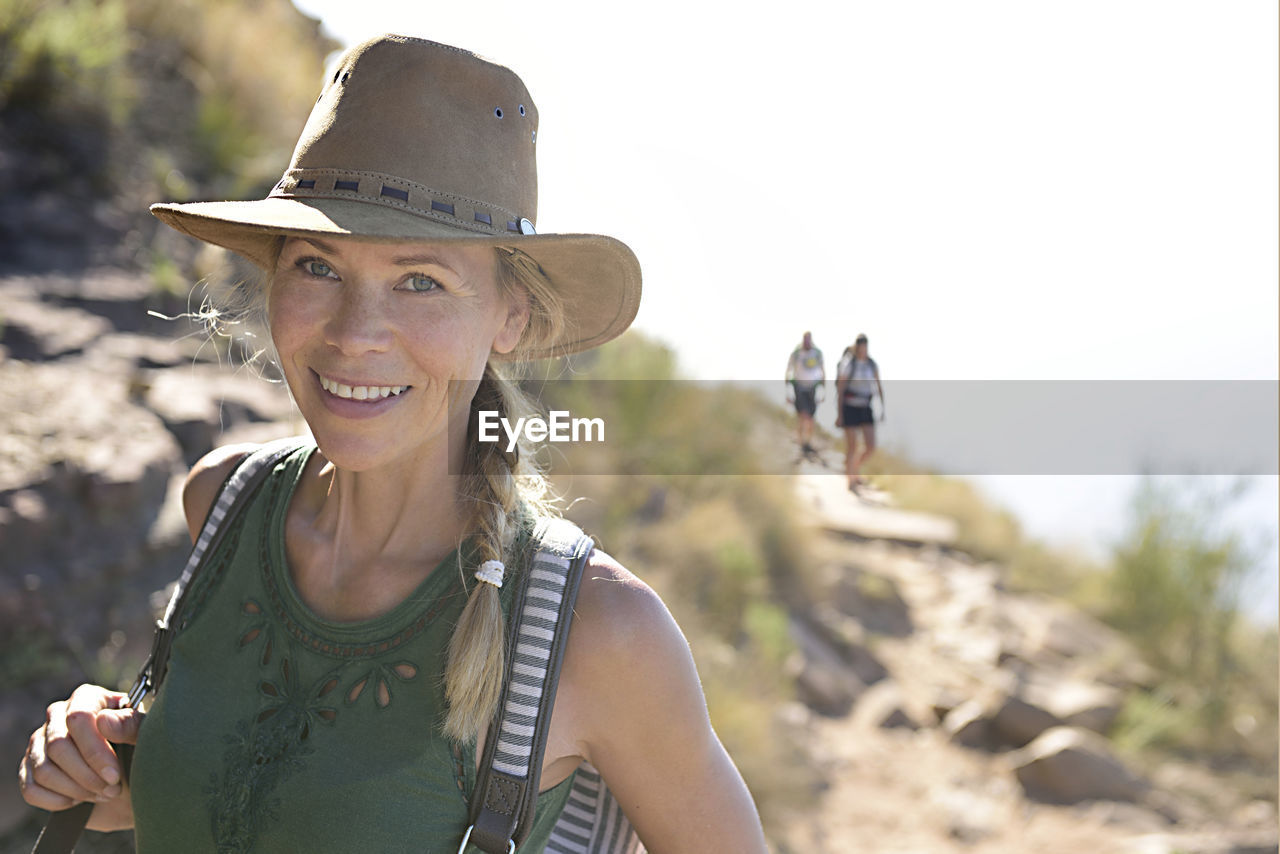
{"x": 805, "y": 376}
{"x": 335, "y": 673}
{"x": 857, "y": 383}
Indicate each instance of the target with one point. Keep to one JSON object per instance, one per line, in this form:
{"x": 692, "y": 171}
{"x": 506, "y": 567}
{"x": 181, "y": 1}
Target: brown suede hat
{"x": 413, "y": 140}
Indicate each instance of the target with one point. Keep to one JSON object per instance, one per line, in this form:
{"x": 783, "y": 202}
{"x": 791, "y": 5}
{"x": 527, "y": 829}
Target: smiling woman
{"x": 337, "y": 666}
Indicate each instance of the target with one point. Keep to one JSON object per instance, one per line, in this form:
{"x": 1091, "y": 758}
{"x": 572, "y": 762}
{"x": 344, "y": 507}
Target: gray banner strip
{"x": 1049, "y": 427}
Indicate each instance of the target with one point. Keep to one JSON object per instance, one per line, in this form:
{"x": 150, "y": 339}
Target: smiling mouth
{"x": 361, "y": 392}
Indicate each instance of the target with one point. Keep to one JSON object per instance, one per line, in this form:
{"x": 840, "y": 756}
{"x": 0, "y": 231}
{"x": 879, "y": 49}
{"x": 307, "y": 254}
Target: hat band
{"x": 378, "y": 188}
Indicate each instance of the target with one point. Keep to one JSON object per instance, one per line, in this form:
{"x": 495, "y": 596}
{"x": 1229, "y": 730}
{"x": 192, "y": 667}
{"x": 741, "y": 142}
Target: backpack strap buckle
{"x": 152, "y": 670}
{"x": 466, "y": 837}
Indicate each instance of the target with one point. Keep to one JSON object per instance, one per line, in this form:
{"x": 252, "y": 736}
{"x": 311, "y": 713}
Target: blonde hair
{"x": 504, "y": 490}
{"x": 500, "y": 490}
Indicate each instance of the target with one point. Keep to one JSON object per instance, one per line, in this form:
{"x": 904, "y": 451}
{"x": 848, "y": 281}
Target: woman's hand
{"x": 69, "y": 760}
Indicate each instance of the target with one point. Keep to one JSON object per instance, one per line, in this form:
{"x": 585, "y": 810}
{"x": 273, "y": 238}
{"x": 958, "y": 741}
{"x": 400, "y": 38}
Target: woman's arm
{"x": 642, "y": 721}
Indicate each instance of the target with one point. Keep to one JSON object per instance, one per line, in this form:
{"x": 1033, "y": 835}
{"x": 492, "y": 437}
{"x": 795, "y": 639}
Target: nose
{"x": 361, "y": 323}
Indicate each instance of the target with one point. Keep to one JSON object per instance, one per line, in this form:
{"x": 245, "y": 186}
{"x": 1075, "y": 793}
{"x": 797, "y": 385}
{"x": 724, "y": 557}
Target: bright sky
{"x": 991, "y": 189}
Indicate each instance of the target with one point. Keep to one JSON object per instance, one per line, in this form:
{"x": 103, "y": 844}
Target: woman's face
{"x": 370, "y": 335}
{"x": 860, "y": 350}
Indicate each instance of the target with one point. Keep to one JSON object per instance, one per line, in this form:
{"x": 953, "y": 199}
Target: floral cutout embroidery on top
{"x": 259, "y": 627}
{"x": 381, "y": 676}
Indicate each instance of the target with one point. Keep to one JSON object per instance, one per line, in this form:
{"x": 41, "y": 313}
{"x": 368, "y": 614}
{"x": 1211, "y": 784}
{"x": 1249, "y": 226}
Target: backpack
{"x": 502, "y": 811}
{"x": 847, "y": 368}
{"x": 591, "y": 823}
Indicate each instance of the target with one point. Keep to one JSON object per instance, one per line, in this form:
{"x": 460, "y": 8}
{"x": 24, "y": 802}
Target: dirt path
{"x": 903, "y": 792}
{"x": 913, "y": 791}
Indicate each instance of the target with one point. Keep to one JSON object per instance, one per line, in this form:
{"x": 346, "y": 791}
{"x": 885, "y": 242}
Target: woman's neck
{"x": 360, "y": 541}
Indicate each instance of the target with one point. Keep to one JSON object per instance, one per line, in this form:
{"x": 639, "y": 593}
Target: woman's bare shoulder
{"x": 626, "y": 644}
{"x": 615, "y": 609}
{"x": 205, "y": 481}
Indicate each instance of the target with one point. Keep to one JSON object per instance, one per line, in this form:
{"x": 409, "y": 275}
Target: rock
{"x": 882, "y": 706}
{"x": 1075, "y": 702}
{"x": 874, "y": 601}
{"x": 1259, "y": 814}
{"x": 36, "y": 331}
{"x": 824, "y": 682}
{"x": 969, "y": 726}
{"x": 120, "y": 298}
{"x": 972, "y": 812}
{"x": 1217, "y": 842}
{"x": 845, "y": 637}
{"x": 1068, "y": 765}
{"x": 945, "y": 700}
{"x": 1016, "y": 722}
{"x": 144, "y": 351}
{"x": 1135, "y": 818}
{"x": 200, "y": 402}
{"x": 839, "y": 511}
{"x": 1052, "y": 634}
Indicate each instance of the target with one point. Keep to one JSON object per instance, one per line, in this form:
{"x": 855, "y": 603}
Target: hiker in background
{"x": 857, "y": 382}
{"x": 342, "y": 655}
{"x": 805, "y": 377}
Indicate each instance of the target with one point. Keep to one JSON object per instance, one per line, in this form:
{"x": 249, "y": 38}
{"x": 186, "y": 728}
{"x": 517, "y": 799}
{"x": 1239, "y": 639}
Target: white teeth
{"x": 360, "y": 392}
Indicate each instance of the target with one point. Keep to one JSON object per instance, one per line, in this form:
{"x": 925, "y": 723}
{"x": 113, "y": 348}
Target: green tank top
{"x": 278, "y": 731}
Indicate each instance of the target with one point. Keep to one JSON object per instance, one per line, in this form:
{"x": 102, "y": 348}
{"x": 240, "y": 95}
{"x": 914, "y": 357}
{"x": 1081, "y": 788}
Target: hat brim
{"x": 597, "y": 277}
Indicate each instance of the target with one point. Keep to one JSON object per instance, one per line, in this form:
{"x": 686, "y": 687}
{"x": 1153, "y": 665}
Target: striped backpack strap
{"x": 502, "y": 812}
{"x": 592, "y": 821}
{"x": 507, "y": 786}
{"x": 250, "y": 472}
{"x": 64, "y": 828}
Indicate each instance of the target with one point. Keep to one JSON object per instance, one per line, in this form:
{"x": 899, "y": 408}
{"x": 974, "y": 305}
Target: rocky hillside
{"x": 950, "y": 714}
{"x": 104, "y": 408}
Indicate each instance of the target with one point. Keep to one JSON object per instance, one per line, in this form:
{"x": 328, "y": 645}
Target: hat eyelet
{"x": 497, "y": 111}
{"x": 346, "y": 76}
{"x": 522, "y": 109}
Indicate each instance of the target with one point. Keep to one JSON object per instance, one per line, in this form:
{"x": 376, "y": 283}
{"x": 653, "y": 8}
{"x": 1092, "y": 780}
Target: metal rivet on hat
{"x": 497, "y": 111}
{"x": 526, "y": 227}
{"x": 534, "y": 137}
{"x": 522, "y": 109}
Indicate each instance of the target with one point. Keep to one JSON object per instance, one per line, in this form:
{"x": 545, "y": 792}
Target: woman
{"x": 857, "y": 381}
{"x": 331, "y": 685}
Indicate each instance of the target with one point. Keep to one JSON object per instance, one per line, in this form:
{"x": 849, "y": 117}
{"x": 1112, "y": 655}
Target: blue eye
{"x": 317, "y": 268}
{"x": 420, "y": 283}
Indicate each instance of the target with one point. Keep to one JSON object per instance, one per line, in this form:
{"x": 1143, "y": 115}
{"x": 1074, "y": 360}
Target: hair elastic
{"x": 490, "y": 572}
